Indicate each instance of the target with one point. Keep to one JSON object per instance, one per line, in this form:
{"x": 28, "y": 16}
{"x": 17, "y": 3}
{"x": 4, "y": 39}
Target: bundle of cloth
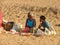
{"x": 11, "y": 27}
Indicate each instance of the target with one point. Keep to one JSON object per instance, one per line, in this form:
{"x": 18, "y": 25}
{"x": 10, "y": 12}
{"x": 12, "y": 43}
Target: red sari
{"x": 0, "y": 18}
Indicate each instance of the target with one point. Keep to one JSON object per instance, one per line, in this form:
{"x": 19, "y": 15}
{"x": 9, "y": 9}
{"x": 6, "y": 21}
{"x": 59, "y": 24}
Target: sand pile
{"x": 16, "y": 10}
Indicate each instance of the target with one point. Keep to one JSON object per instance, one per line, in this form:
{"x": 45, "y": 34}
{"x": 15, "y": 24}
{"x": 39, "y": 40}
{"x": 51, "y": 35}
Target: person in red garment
{"x": 0, "y": 20}
{"x": 30, "y": 24}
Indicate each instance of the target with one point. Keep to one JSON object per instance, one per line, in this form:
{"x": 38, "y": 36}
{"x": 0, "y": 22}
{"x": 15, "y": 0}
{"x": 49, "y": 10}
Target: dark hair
{"x": 7, "y": 26}
{"x": 42, "y": 17}
{"x": 29, "y": 14}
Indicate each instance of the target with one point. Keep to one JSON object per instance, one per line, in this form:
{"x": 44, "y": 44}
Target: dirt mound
{"x": 16, "y": 10}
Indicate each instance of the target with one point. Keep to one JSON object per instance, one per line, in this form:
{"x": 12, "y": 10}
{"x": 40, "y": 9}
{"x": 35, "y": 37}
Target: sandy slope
{"x": 16, "y": 10}
{"x": 9, "y": 39}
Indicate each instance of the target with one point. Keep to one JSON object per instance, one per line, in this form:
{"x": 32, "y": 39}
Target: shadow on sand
{"x": 57, "y": 25}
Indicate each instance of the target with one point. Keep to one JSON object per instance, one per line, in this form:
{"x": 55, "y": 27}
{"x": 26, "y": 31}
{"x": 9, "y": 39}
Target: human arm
{"x": 26, "y": 23}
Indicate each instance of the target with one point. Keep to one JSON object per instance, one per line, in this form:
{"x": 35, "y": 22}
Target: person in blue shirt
{"x": 44, "y": 23}
{"x": 30, "y": 23}
{"x": 45, "y": 26}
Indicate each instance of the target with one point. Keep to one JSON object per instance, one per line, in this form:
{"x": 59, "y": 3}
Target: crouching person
{"x": 30, "y": 24}
{"x": 45, "y": 27}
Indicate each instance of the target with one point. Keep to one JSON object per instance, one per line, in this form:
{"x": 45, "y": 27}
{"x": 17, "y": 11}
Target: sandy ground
{"x": 9, "y": 39}
{"x": 16, "y": 10}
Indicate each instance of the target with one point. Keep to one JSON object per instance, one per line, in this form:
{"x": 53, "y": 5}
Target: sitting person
{"x": 30, "y": 24}
{"x": 45, "y": 27}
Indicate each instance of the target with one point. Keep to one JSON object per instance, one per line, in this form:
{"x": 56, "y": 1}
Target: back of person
{"x": 46, "y": 24}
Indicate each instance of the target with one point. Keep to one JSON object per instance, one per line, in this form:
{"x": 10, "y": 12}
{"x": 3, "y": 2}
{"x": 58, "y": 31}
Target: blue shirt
{"x": 46, "y": 24}
{"x": 30, "y": 23}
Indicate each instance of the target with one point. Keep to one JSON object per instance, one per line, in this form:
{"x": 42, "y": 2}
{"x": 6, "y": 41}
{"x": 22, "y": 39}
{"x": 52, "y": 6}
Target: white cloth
{"x": 50, "y": 32}
{"x": 16, "y": 28}
{"x": 39, "y": 32}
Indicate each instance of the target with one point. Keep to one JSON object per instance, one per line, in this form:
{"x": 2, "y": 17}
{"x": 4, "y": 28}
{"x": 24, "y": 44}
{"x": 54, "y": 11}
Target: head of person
{"x": 7, "y": 26}
{"x": 42, "y": 18}
{"x": 30, "y": 16}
